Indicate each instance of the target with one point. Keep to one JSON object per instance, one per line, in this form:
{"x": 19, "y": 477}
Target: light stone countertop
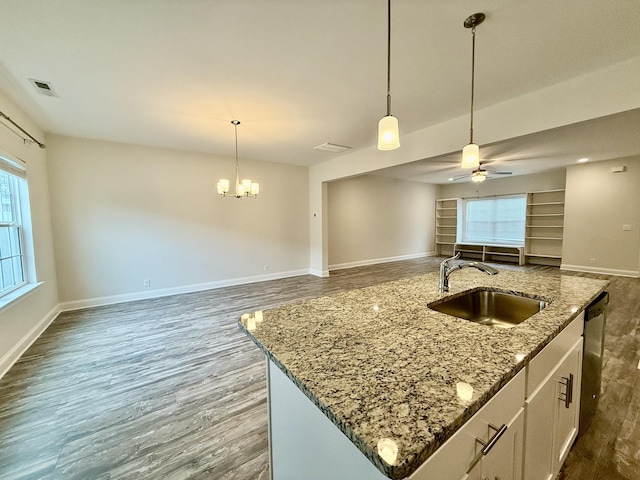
{"x": 391, "y": 371}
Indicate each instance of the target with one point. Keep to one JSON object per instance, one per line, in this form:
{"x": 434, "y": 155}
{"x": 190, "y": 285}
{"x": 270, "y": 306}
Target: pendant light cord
{"x": 473, "y": 76}
{"x": 388, "y": 57}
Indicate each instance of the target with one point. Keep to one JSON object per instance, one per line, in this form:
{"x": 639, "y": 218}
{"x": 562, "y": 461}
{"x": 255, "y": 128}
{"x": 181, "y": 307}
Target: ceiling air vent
{"x": 331, "y": 147}
{"x": 43, "y": 88}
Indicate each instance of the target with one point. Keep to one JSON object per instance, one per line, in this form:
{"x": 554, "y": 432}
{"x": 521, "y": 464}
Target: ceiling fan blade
{"x": 460, "y": 177}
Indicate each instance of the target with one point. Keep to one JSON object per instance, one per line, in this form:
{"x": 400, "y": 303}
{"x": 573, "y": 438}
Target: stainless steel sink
{"x": 497, "y": 309}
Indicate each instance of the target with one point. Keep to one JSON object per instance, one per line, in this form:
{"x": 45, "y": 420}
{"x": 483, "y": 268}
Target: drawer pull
{"x": 487, "y": 446}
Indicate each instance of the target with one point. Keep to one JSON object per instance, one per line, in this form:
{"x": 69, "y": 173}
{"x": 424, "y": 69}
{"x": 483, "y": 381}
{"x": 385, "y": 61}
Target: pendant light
{"x": 388, "y": 134}
{"x": 471, "y": 153}
{"x": 244, "y": 188}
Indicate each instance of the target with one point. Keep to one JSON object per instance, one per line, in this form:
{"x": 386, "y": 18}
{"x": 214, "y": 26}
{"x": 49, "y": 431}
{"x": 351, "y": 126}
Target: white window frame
{"x": 20, "y": 213}
{"x": 463, "y": 224}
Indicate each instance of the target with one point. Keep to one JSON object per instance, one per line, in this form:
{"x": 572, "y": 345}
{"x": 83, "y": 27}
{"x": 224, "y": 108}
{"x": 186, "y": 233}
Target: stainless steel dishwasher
{"x": 594, "y": 322}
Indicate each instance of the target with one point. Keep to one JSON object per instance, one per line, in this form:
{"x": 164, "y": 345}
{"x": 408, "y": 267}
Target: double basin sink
{"x": 489, "y": 307}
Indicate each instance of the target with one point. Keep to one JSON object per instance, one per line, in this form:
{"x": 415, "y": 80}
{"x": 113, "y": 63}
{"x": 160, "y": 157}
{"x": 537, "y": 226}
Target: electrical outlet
{"x": 266, "y": 268}
{"x": 592, "y": 261}
{"x": 147, "y": 283}
{"x": 626, "y": 227}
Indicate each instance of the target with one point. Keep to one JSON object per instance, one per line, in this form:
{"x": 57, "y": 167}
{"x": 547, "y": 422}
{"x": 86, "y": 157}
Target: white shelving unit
{"x": 491, "y": 253}
{"x": 446, "y": 225}
{"x": 544, "y": 227}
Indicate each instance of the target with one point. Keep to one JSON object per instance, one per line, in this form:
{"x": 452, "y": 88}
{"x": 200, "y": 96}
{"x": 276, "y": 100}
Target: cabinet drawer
{"x": 454, "y": 458}
{"x": 545, "y": 361}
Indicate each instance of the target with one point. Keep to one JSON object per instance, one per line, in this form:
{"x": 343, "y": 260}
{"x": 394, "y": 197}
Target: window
{"x": 497, "y": 220}
{"x": 12, "y": 258}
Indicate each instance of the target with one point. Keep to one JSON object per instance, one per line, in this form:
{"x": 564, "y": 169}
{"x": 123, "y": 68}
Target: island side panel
{"x": 305, "y": 443}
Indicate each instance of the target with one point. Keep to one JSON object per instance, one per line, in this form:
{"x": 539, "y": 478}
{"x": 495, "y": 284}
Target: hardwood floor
{"x": 170, "y": 388}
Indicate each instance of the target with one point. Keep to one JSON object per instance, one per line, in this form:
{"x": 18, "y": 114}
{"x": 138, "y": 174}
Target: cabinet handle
{"x": 570, "y": 391}
{"x": 487, "y": 446}
{"x": 567, "y": 397}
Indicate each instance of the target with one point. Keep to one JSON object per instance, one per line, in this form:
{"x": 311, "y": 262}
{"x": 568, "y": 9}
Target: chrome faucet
{"x": 446, "y": 270}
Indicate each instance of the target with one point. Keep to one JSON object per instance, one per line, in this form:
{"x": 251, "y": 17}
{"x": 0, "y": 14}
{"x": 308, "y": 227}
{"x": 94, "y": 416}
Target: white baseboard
{"x": 604, "y": 271}
{"x": 319, "y": 273}
{"x": 374, "y": 261}
{"x": 164, "y": 292}
{"x": 14, "y": 354}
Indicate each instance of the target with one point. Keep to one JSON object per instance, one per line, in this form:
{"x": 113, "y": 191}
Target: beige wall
{"x": 123, "y": 214}
{"x": 22, "y": 321}
{"x": 373, "y": 218}
{"x": 598, "y": 204}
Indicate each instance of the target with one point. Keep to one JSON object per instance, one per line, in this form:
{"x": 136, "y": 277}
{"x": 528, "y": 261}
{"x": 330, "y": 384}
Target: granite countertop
{"x": 380, "y": 364}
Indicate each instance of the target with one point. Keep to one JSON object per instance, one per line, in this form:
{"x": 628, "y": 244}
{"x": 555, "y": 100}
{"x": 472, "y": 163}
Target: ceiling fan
{"x": 480, "y": 174}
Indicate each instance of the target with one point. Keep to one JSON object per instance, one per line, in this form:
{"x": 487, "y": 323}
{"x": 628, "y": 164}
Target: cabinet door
{"x": 552, "y": 417}
{"x": 504, "y": 461}
{"x": 454, "y": 459}
{"x": 567, "y": 405}
{"x": 538, "y": 462}
{"x": 475, "y": 473}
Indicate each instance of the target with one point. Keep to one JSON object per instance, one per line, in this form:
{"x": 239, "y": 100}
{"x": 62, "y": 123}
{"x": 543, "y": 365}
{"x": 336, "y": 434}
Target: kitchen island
{"x": 381, "y": 366}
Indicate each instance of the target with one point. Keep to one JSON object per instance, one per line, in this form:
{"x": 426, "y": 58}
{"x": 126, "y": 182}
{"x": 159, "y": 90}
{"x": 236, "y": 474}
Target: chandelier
{"x": 244, "y": 188}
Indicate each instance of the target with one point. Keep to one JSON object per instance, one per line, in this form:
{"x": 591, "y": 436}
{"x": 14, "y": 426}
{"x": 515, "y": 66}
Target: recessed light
{"x": 583, "y": 160}
{"x": 450, "y": 179}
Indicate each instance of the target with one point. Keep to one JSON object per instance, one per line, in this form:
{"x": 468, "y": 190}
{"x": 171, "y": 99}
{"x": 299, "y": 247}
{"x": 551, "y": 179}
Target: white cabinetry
{"x": 500, "y": 425}
{"x": 553, "y": 404}
{"x": 567, "y": 405}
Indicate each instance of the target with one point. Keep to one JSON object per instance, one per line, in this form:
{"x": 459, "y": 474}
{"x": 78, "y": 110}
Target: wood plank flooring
{"x": 170, "y": 388}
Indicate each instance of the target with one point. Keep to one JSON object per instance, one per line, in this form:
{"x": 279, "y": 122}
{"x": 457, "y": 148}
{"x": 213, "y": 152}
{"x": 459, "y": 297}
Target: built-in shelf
{"x": 446, "y": 225}
{"x": 544, "y": 228}
{"x": 487, "y": 253}
{"x": 543, "y": 238}
{"x": 546, "y": 255}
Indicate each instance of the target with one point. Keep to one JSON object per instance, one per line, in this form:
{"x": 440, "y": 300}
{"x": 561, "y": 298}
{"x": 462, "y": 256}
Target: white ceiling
{"x": 297, "y": 73}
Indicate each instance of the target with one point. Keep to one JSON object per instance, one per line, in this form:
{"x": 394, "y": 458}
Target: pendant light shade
{"x": 471, "y": 156}
{"x": 388, "y": 132}
{"x": 471, "y": 153}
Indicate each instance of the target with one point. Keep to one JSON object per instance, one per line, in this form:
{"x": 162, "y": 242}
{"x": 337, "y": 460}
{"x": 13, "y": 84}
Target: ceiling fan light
{"x": 471, "y": 156}
{"x": 388, "y": 133}
{"x": 479, "y": 176}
